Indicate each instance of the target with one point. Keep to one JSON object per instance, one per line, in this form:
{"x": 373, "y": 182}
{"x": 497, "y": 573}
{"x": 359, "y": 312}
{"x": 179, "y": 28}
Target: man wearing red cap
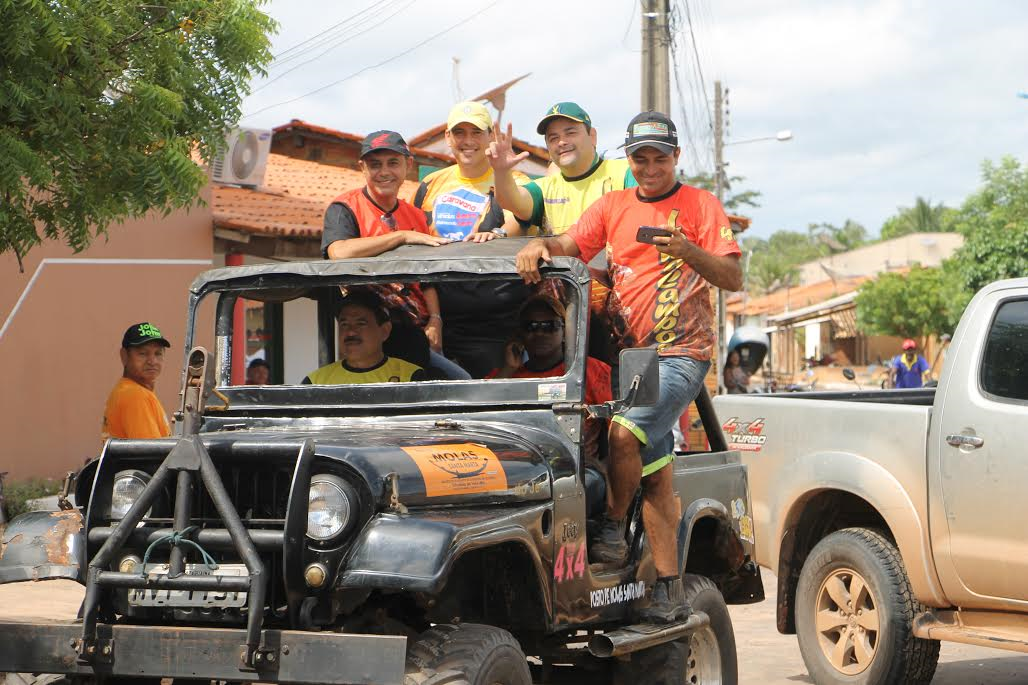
{"x": 909, "y": 370}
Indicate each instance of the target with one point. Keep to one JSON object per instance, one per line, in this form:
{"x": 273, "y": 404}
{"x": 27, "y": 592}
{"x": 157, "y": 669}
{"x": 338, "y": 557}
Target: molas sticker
{"x": 458, "y": 469}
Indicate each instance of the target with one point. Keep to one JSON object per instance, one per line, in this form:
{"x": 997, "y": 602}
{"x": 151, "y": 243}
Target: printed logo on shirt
{"x": 726, "y": 233}
{"x": 456, "y": 214}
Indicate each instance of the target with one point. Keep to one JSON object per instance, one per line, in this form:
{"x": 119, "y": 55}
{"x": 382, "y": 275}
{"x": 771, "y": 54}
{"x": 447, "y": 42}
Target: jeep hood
{"x": 432, "y": 466}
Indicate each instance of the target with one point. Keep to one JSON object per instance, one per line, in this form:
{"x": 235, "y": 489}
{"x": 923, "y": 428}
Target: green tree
{"x": 923, "y": 217}
{"x": 733, "y": 201}
{"x": 837, "y": 239}
{"x": 994, "y": 223}
{"x": 102, "y": 105}
{"x": 910, "y": 305}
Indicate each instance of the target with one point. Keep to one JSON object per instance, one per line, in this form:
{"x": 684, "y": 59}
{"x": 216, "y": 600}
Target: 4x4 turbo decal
{"x": 458, "y": 469}
{"x": 745, "y": 436}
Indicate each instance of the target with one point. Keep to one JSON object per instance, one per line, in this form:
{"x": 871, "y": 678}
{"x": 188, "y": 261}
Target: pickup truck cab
{"x": 896, "y": 519}
{"x": 427, "y": 532}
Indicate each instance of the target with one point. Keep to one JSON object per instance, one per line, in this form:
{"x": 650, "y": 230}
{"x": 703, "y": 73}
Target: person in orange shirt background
{"x": 133, "y": 410}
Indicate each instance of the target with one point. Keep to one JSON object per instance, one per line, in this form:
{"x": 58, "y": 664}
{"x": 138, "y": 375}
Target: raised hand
{"x": 501, "y": 151}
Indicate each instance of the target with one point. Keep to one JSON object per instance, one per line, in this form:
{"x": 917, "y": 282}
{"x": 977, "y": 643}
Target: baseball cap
{"x": 384, "y": 140}
{"x": 141, "y": 334}
{"x": 254, "y": 363}
{"x": 548, "y": 301}
{"x": 474, "y": 113}
{"x": 909, "y": 344}
{"x": 652, "y": 129}
{"x": 568, "y": 110}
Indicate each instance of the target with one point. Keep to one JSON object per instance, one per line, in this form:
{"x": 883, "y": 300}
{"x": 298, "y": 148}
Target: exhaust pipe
{"x": 633, "y": 638}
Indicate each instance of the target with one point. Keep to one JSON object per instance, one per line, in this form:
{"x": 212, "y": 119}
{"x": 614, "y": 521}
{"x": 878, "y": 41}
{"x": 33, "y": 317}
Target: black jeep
{"x": 424, "y": 532}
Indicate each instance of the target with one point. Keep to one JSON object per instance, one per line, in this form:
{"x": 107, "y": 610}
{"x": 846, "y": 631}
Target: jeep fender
{"x": 415, "y": 552}
{"x": 42, "y": 545}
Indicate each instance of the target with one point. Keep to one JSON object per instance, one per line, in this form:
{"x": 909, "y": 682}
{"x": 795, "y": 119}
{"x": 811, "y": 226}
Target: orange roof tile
{"x": 292, "y": 200}
{"x": 518, "y": 144}
{"x": 802, "y": 296}
{"x": 343, "y": 135}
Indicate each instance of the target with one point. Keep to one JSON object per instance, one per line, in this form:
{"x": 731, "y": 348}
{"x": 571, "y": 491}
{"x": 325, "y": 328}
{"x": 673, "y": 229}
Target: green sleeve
{"x": 537, "y": 205}
{"x": 630, "y": 181}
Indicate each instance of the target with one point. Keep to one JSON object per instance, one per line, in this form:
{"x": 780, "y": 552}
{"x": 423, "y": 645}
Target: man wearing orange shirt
{"x": 661, "y": 299}
{"x": 133, "y": 410}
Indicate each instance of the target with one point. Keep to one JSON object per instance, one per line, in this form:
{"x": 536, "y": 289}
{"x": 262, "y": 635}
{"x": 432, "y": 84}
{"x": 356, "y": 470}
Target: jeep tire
{"x": 705, "y": 657}
{"x": 854, "y": 614}
{"x": 466, "y": 654}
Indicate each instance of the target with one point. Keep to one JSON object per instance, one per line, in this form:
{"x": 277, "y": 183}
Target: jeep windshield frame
{"x": 455, "y": 262}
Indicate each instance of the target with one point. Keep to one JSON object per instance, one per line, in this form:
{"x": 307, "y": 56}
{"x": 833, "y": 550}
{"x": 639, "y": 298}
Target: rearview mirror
{"x": 848, "y": 374}
{"x": 642, "y": 363}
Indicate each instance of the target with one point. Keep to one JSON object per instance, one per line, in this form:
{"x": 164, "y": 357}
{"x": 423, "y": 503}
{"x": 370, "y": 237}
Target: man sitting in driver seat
{"x": 363, "y": 328}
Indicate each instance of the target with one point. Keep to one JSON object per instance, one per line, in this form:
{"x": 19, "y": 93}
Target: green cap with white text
{"x": 568, "y": 110}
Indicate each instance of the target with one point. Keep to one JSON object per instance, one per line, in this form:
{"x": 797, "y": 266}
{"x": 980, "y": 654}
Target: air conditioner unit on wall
{"x": 244, "y": 158}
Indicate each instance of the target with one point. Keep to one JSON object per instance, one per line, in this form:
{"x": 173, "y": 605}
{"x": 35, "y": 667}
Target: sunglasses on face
{"x": 389, "y": 220}
{"x": 541, "y": 326}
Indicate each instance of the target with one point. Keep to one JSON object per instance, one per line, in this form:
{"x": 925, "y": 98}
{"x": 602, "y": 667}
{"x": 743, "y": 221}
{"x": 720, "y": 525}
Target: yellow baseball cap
{"x": 474, "y": 113}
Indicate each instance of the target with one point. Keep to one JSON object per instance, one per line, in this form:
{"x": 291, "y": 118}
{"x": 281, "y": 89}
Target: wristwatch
{"x": 500, "y": 232}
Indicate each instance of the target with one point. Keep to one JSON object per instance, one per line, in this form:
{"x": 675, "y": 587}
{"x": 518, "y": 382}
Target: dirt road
{"x": 765, "y": 657}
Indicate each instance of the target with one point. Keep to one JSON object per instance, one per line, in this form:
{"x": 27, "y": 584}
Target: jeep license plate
{"x": 153, "y": 597}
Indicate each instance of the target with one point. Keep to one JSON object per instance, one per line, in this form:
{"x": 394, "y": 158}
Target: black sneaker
{"x": 608, "y": 545}
{"x": 667, "y": 603}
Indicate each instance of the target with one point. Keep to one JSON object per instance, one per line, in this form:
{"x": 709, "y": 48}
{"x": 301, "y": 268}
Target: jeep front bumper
{"x": 287, "y": 656}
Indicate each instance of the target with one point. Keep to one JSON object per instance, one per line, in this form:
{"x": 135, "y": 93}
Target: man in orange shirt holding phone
{"x": 661, "y": 299}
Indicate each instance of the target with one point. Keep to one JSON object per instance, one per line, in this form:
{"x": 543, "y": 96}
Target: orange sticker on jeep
{"x": 459, "y": 469}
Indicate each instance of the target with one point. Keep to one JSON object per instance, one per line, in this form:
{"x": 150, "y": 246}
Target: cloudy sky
{"x": 887, "y": 100}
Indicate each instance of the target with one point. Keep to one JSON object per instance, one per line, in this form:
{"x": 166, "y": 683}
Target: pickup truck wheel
{"x": 466, "y": 654}
{"x": 705, "y": 657}
{"x": 854, "y": 614}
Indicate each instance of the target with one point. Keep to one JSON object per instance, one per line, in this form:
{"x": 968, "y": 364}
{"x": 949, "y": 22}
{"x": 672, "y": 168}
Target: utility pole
{"x": 719, "y": 191}
{"x": 656, "y": 41}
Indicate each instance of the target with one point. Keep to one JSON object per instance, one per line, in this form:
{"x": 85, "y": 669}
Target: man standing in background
{"x": 133, "y": 410}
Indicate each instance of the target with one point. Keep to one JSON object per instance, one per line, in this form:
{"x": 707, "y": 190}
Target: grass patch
{"x": 18, "y": 493}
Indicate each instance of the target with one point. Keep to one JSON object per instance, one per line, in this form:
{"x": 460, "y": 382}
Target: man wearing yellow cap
{"x": 458, "y": 200}
{"x": 555, "y": 202}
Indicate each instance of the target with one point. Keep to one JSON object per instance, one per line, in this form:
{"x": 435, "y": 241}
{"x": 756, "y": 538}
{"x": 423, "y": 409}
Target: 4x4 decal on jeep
{"x": 458, "y": 469}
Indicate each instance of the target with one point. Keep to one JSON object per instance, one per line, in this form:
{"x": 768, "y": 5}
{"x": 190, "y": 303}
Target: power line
{"x": 330, "y": 28}
{"x": 345, "y": 39}
{"x": 338, "y": 31}
{"x": 699, "y": 67}
{"x": 382, "y": 63}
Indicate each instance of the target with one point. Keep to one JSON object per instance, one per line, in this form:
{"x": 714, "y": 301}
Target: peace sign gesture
{"x": 501, "y": 152}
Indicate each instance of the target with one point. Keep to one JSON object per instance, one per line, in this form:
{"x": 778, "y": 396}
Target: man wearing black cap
{"x": 661, "y": 299}
{"x": 133, "y": 410}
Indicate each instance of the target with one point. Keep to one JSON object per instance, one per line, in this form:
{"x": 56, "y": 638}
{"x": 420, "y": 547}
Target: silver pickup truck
{"x": 897, "y": 519}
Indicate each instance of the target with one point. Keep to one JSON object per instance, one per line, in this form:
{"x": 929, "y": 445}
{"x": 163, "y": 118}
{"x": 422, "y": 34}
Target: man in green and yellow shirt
{"x": 554, "y": 203}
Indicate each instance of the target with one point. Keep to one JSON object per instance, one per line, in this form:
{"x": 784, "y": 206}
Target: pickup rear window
{"x": 1005, "y": 364}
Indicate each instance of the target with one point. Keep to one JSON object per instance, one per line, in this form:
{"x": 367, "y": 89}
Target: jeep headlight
{"x": 128, "y": 486}
{"x": 329, "y": 507}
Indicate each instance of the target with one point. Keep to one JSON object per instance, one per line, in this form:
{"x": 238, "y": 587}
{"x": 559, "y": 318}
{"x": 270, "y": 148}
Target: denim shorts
{"x": 680, "y": 382}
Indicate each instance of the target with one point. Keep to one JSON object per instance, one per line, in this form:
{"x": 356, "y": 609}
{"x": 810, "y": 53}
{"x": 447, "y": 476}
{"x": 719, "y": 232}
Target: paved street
{"x": 765, "y": 657}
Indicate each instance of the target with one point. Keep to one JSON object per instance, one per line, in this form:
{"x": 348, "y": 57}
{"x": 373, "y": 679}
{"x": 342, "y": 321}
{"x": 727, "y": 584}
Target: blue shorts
{"x": 680, "y": 382}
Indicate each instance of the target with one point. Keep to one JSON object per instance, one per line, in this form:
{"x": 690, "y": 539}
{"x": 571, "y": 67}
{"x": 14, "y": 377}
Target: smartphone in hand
{"x": 646, "y": 234}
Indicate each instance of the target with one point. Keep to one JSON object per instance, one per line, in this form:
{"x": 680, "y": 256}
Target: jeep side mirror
{"x": 641, "y": 364}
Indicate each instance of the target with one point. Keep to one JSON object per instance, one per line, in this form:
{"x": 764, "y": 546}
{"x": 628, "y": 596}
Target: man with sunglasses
{"x": 538, "y": 352}
{"x": 660, "y": 288}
